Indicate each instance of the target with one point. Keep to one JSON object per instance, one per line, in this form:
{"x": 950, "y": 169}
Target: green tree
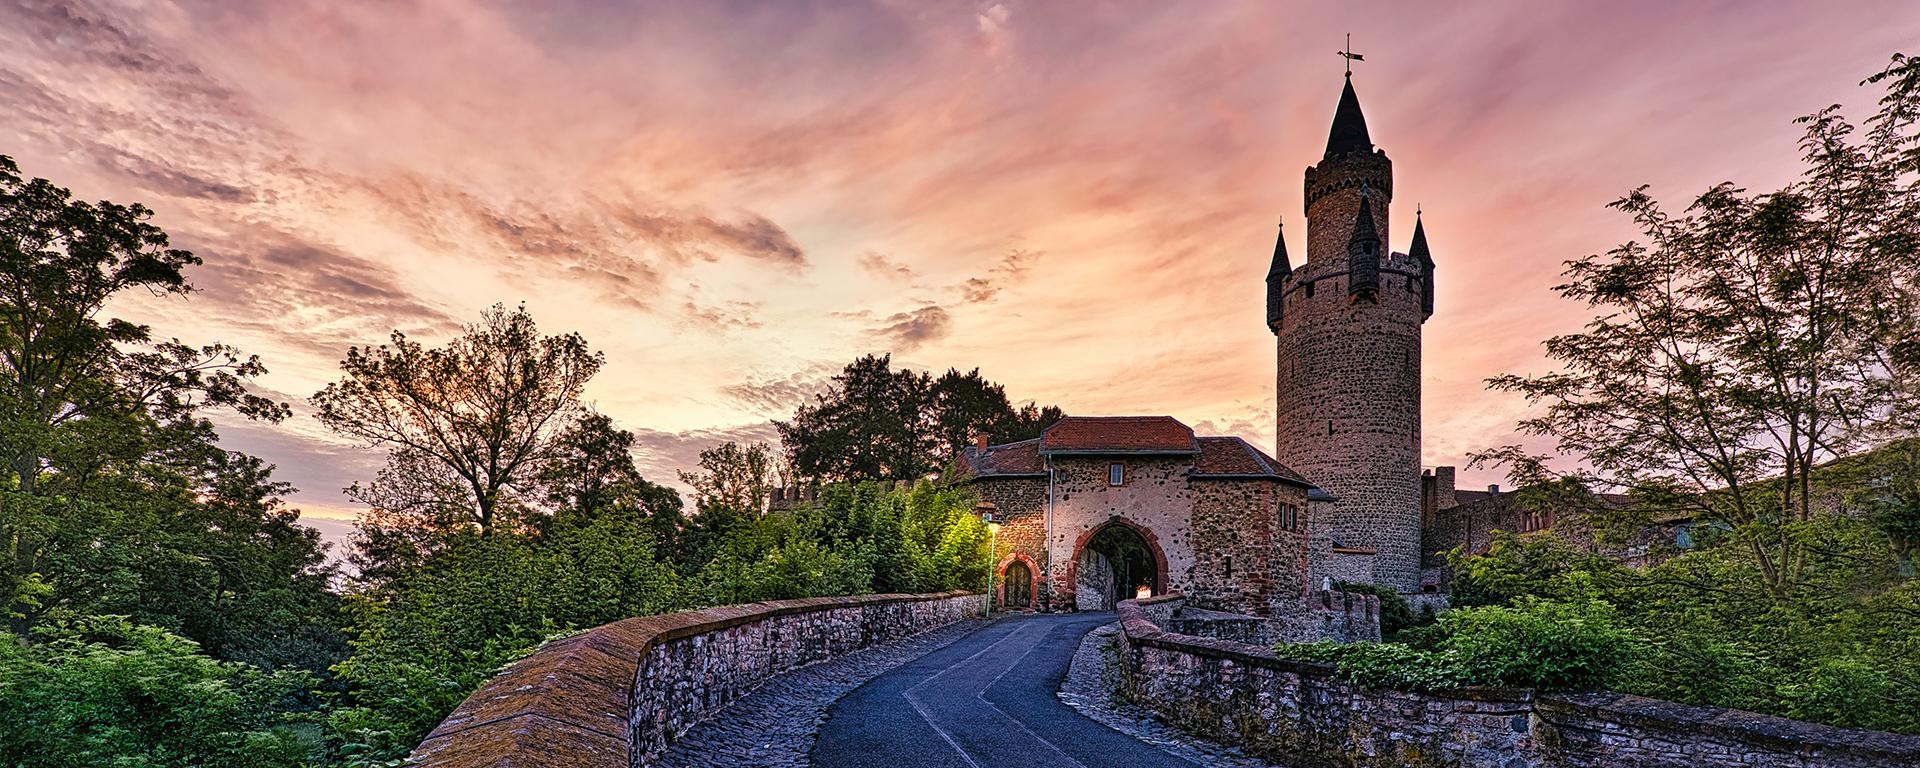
{"x": 876, "y": 423}
{"x": 730, "y": 488}
{"x": 1749, "y": 337}
{"x": 871, "y": 424}
{"x": 1888, "y": 491}
{"x": 115, "y": 497}
{"x": 967, "y": 404}
{"x": 471, "y": 429}
{"x": 593, "y": 474}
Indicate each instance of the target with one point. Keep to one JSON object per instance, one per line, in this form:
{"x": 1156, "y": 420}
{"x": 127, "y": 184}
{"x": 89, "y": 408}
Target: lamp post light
{"x": 986, "y": 510}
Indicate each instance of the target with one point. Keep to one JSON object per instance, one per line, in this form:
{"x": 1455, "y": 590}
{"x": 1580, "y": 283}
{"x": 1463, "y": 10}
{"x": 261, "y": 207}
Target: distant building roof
{"x": 1118, "y": 434}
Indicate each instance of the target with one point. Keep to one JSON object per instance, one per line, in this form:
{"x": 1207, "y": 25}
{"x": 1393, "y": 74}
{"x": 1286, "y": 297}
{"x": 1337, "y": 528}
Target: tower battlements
{"x": 1347, "y": 326}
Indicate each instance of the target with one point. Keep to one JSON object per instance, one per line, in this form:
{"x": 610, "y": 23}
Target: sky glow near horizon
{"x": 732, "y": 200}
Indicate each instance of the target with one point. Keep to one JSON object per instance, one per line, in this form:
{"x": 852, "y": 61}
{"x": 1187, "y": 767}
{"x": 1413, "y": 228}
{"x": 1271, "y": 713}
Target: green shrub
{"x": 1538, "y": 643}
{"x": 1535, "y": 644}
{"x": 105, "y": 691}
{"x": 1382, "y": 665}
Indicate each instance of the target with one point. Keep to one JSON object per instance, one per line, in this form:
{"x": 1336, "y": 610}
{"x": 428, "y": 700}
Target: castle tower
{"x": 1347, "y": 322}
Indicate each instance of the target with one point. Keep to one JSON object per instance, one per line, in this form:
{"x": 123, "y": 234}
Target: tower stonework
{"x": 1347, "y": 324}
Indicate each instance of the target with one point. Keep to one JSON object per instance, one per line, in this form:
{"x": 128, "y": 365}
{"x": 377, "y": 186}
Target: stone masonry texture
{"x": 1347, "y": 379}
{"x": 1304, "y": 716}
{"x": 1203, "y": 527}
{"x": 617, "y": 695}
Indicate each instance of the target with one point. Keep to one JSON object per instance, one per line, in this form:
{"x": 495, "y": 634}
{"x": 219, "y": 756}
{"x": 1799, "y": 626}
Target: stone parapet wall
{"x": 1303, "y": 715}
{"x": 616, "y": 695}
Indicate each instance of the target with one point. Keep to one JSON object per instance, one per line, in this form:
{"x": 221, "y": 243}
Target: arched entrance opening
{"x": 1017, "y": 581}
{"x": 1116, "y": 562}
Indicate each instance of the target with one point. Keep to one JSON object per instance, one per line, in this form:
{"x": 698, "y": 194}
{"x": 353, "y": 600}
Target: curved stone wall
{"x": 1301, "y": 714}
{"x": 616, "y": 695}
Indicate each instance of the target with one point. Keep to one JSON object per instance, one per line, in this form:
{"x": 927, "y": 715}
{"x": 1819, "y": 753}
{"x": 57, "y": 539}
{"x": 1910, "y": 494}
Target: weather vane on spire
{"x": 1350, "y": 56}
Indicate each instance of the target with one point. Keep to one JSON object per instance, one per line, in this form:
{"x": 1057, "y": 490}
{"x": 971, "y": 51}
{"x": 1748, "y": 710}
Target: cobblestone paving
{"x": 775, "y": 726}
{"x": 1090, "y": 685}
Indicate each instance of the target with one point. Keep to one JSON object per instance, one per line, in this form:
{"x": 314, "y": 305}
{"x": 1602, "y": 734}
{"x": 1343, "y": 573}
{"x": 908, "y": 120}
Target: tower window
{"x": 1309, "y": 289}
{"x": 1229, "y": 566}
{"x": 1116, "y": 474}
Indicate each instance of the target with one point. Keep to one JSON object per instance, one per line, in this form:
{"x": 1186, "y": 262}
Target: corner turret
{"x": 1418, "y": 250}
{"x": 1277, "y": 281}
{"x": 1363, "y": 253}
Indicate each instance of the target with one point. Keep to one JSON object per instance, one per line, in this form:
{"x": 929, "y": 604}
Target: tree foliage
{"x": 1750, "y": 337}
{"x": 106, "y": 691}
{"x": 481, "y": 418}
{"x": 877, "y": 423}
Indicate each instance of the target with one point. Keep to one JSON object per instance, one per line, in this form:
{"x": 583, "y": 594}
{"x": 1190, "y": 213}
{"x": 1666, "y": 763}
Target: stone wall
{"x": 1245, "y": 560}
{"x": 616, "y": 695}
{"x": 1302, "y": 715}
{"x": 1020, "y": 506}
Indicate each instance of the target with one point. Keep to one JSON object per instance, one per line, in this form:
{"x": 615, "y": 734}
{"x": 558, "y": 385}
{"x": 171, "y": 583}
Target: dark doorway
{"x": 1116, "y": 564}
{"x": 1019, "y": 585}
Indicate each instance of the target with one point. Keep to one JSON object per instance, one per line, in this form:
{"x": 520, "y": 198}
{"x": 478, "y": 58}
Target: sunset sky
{"x": 733, "y": 199}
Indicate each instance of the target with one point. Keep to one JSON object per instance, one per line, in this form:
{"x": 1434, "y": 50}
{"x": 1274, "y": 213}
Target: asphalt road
{"x": 986, "y": 701}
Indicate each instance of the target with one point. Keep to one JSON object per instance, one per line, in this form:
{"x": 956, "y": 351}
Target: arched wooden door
{"x": 1019, "y": 581}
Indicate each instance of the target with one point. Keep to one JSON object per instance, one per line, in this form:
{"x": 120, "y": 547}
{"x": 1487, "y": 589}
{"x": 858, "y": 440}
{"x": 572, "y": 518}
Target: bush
{"x": 1536, "y": 644}
{"x": 1382, "y": 665}
{"x": 483, "y": 603}
{"x": 106, "y": 691}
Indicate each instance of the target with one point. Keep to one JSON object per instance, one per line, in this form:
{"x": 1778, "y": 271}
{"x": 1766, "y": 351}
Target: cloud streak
{"x": 732, "y": 201}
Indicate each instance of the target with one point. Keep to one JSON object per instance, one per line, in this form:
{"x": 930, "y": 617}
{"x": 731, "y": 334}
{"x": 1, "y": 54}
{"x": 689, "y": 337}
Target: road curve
{"x": 986, "y": 701}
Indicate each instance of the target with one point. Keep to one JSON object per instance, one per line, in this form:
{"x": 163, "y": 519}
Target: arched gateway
{"x": 1115, "y": 562}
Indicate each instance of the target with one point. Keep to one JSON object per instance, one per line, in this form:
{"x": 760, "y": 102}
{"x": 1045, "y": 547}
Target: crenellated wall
{"x": 616, "y": 695}
{"x": 1303, "y": 715}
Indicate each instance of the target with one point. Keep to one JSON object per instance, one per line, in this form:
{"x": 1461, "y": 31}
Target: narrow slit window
{"x": 1116, "y": 474}
{"x": 1229, "y": 566}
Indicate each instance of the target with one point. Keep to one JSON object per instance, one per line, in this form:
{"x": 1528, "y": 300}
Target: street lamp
{"x": 986, "y": 510}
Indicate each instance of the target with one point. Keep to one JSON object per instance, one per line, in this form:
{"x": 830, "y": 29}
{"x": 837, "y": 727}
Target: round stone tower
{"x": 1348, "y": 323}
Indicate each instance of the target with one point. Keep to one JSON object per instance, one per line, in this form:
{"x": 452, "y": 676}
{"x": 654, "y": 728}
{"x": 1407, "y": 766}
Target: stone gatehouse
{"x": 1102, "y": 509}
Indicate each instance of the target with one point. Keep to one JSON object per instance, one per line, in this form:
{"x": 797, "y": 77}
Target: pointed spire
{"x": 1349, "y": 125}
{"x": 1282, "y": 266}
{"x": 1364, "y": 230}
{"x": 1277, "y": 282}
{"x": 1418, "y": 249}
{"x": 1363, "y": 252}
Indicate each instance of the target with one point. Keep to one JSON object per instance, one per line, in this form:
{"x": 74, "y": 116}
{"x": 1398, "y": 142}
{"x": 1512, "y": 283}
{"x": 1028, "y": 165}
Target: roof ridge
{"x": 1258, "y": 458}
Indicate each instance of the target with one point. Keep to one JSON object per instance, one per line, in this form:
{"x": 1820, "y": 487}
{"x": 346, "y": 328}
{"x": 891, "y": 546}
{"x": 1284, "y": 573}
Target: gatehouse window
{"x": 1116, "y": 474}
{"x": 1289, "y": 517}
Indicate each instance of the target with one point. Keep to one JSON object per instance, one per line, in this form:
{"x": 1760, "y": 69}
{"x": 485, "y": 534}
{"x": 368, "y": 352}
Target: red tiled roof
{"x": 1021, "y": 458}
{"x": 1218, "y": 457}
{"x": 1232, "y": 456}
{"x": 1118, "y": 434}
